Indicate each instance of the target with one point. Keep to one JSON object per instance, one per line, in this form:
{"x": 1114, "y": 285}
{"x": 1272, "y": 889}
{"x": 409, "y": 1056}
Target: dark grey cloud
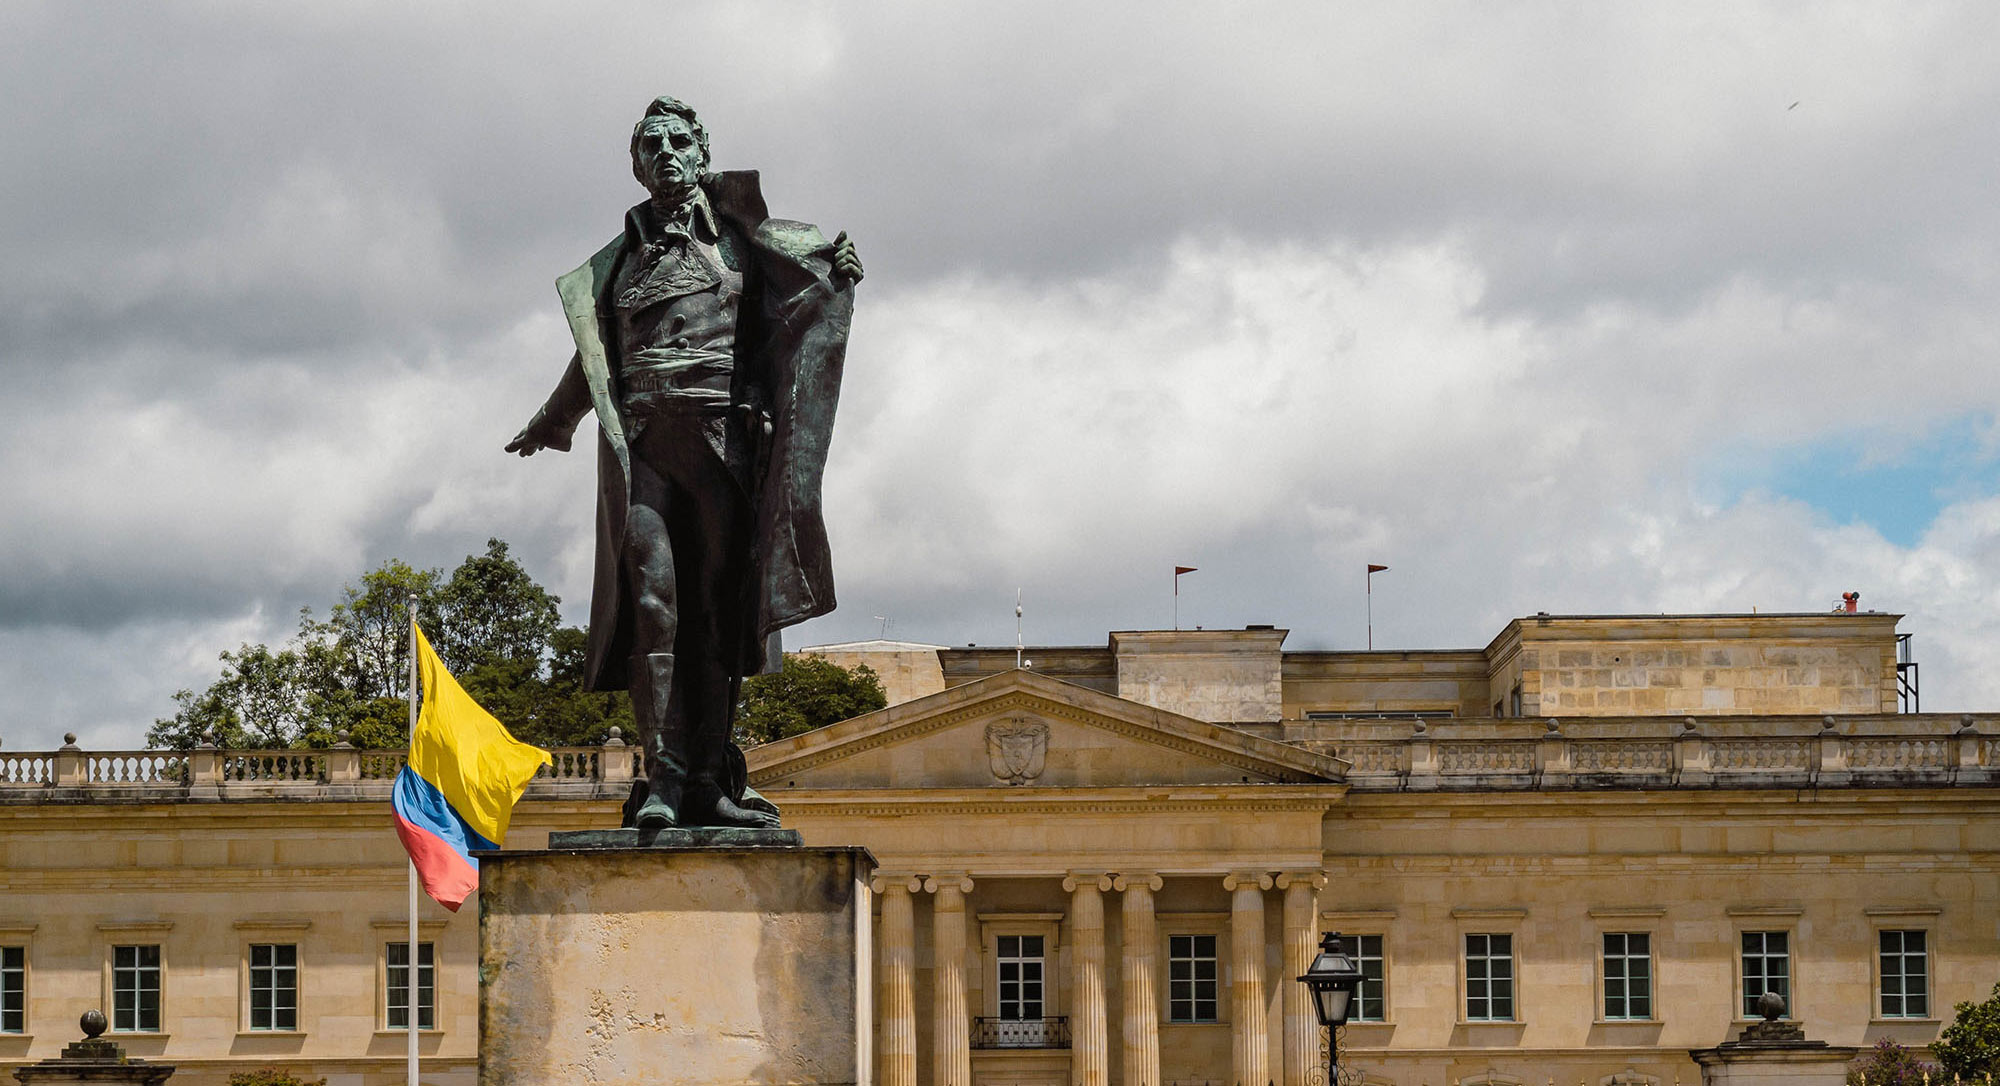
{"x": 1274, "y": 291}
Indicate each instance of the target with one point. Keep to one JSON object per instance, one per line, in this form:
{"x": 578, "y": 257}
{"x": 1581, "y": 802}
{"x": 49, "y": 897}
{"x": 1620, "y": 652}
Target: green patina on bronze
{"x": 710, "y": 340}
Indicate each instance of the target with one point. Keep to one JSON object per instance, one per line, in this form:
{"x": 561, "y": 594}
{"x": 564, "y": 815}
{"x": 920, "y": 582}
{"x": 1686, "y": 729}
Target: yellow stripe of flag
{"x": 466, "y": 754}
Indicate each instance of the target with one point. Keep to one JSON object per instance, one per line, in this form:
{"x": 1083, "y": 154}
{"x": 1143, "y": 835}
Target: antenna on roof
{"x": 884, "y": 620}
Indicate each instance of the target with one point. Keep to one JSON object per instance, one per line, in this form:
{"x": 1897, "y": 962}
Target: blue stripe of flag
{"x": 419, "y": 803}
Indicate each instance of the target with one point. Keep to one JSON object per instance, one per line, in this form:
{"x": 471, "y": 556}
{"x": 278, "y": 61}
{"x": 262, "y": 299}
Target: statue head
{"x": 669, "y": 149}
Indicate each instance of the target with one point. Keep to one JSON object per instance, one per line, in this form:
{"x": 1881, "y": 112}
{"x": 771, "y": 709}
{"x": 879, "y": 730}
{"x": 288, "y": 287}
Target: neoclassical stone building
{"x": 1572, "y": 855}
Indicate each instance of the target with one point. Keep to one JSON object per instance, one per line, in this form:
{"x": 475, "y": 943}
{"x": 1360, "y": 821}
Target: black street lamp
{"x": 1334, "y": 980}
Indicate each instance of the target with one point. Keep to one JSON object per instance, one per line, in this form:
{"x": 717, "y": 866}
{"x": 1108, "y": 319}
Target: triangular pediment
{"x": 1019, "y": 729}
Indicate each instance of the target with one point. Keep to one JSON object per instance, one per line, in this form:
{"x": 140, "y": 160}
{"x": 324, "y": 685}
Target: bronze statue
{"x": 709, "y": 342}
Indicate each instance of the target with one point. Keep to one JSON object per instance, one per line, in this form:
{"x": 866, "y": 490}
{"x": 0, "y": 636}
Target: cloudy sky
{"x": 1578, "y": 308}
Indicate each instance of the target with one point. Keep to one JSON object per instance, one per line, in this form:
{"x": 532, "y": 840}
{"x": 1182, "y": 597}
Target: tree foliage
{"x": 808, "y": 692}
{"x": 1970, "y": 1047}
{"x": 499, "y": 632}
{"x": 496, "y": 629}
{"x": 1889, "y": 1064}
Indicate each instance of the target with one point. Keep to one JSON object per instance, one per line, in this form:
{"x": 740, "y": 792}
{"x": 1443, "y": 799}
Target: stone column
{"x": 1137, "y": 980}
{"x": 1089, "y": 1049}
{"x": 1301, "y": 944}
{"x": 951, "y": 1042}
{"x": 1250, "y": 1045}
{"x": 899, "y": 969}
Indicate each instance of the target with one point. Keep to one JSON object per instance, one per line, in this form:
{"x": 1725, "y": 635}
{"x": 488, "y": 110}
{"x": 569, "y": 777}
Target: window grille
{"x": 1191, "y": 978}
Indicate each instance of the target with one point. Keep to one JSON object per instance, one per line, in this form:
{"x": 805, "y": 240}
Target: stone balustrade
{"x": 1658, "y": 752}
{"x": 71, "y": 774}
{"x": 1386, "y": 755}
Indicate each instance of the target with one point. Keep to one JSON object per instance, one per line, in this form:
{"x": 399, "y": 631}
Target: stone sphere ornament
{"x": 93, "y": 1023}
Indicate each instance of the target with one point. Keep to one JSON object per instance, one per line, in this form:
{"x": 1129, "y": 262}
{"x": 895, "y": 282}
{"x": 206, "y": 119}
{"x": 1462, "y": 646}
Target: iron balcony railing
{"x": 1020, "y": 1032}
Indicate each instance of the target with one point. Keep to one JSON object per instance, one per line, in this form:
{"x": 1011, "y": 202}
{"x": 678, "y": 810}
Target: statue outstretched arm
{"x": 556, "y": 421}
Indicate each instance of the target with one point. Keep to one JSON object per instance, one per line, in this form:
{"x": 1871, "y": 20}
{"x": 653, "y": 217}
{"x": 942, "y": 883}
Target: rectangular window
{"x": 135, "y": 989}
{"x": 13, "y": 989}
{"x": 1191, "y": 978}
{"x": 1371, "y": 1000}
{"x": 1489, "y": 977}
{"x": 1021, "y": 970}
{"x": 1906, "y": 975}
{"x": 1767, "y": 967}
{"x": 398, "y": 961}
{"x": 274, "y": 986}
{"x": 1628, "y": 975}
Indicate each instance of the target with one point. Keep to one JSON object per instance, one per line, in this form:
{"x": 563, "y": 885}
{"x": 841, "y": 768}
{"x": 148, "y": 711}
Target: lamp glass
{"x": 1332, "y": 979}
{"x": 1332, "y": 1003}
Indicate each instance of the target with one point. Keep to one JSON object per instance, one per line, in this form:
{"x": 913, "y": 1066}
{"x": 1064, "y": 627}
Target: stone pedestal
{"x": 1784, "y": 1061}
{"x": 93, "y": 1059}
{"x": 672, "y": 964}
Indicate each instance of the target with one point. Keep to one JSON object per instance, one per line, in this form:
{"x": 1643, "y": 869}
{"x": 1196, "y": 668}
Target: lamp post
{"x": 1334, "y": 980}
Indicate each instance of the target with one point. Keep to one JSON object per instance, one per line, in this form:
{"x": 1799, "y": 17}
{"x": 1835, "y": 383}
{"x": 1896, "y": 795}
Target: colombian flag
{"x": 458, "y": 790}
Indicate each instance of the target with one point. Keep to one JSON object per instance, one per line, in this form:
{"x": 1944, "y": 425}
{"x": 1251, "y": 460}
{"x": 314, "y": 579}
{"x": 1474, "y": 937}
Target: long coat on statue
{"x": 790, "y": 347}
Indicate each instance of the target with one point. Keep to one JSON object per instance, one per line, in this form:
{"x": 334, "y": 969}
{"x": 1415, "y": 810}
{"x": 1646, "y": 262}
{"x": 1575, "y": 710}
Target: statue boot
{"x": 717, "y": 778}
{"x": 661, "y": 731}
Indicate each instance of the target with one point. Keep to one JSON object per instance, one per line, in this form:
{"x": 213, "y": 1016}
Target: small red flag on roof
{"x": 1373, "y": 568}
{"x": 1178, "y": 570}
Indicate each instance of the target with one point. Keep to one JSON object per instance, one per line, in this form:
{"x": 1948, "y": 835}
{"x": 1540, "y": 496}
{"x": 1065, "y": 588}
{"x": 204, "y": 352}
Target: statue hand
{"x": 524, "y": 444}
{"x": 536, "y": 436}
{"x": 846, "y": 265}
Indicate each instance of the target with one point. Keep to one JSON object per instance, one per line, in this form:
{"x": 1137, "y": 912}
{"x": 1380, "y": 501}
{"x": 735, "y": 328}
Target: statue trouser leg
{"x": 658, "y": 703}
{"x": 711, "y": 646}
{"x": 661, "y": 731}
{"x": 687, "y": 557}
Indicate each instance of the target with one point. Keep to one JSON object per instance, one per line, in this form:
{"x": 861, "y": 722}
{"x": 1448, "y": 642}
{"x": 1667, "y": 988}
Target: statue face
{"x": 668, "y": 159}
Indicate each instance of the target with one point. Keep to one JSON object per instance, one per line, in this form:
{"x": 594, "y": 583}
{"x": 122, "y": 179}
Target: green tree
{"x": 491, "y": 609}
{"x": 1970, "y": 1046}
{"x": 552, "y": 710}
{"x": 260, "y": 701}
{"x": 494, "y": 627}
{"x": 1889, "y": 1064}
{"x": 369, "y": 628}
{"x": 808, "y": 692}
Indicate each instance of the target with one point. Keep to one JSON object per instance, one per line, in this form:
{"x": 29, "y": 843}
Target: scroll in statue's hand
{"x": 846, "y": 265}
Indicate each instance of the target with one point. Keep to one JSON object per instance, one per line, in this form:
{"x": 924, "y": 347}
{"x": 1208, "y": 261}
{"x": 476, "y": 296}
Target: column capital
{"x": 880, "y": 882}
{"x": 1132, "y": 880}
{"x": 1086, "y": 878}
{"x": 1240, "y": 880}
{"x": 1314, "y": 879}
{"x": 959, "y": 881}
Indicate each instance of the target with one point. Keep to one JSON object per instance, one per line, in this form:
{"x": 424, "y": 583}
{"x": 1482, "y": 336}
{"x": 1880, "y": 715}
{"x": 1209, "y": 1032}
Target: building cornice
{"x": 1025, "y": 690}
{"x": 958, "y": 802}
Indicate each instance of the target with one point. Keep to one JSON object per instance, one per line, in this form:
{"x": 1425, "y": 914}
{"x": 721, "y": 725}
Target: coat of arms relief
{"x": 1017, "y": 748}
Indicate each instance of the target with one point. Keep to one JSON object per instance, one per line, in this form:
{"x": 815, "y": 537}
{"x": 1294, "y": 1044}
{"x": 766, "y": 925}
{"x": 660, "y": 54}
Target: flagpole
{"x": 1178, "y": 570}
{"x": 1373, "y": 569}
{"x": 414, "y": 974}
